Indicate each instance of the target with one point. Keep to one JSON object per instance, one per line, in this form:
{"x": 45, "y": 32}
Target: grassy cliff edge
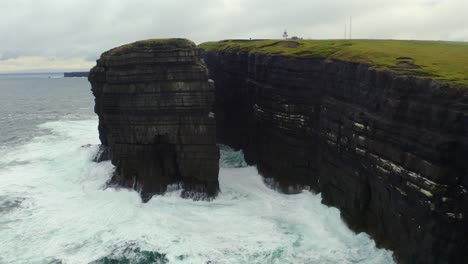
{"x": 443, "y": 61}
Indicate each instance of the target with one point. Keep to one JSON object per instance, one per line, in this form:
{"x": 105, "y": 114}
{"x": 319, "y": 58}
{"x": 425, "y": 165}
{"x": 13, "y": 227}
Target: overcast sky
{"x": 65, "y": 35}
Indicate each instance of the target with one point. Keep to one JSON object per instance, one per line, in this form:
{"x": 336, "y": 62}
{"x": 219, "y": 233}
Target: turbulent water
{"x": 54, "y": 207}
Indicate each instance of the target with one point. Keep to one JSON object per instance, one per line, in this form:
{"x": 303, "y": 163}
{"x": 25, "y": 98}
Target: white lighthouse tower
{"x": 285, "y": 34}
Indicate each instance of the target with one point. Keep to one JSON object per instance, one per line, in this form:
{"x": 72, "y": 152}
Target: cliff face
{"x": 154, "y": 99}
{"x": 389, "y": 151}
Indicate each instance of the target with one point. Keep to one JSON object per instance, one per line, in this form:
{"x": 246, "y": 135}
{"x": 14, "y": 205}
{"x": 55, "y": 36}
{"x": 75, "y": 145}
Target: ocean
{"x": 55, "y": 207}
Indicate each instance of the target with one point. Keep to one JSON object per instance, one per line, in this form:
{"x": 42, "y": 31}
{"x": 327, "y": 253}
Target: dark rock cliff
{"x": 154, "y": 99}
{"x": 391, "y": 152}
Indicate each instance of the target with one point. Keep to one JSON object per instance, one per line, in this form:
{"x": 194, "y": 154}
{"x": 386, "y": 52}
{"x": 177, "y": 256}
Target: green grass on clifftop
{"x": 443, "y": 61}
{"x": 142, "y": 45}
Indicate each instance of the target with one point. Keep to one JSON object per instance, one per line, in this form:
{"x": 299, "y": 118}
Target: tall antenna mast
{"x": 345, "y": 31}
{"x": 350, "y": 27}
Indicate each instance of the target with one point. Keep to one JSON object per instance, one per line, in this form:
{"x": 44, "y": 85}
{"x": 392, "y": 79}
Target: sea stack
{"x": 154, "y": 102}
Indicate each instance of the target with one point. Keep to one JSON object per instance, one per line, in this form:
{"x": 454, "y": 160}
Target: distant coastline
{"x": 75, "y": 74}
{"x": 40, "y": 75}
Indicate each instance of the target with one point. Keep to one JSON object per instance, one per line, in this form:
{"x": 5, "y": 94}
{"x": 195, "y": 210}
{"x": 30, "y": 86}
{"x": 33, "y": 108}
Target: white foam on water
{"x": 65, "y": 213}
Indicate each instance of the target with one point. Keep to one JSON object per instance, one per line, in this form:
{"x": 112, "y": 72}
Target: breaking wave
{"x": 54, "y": 209}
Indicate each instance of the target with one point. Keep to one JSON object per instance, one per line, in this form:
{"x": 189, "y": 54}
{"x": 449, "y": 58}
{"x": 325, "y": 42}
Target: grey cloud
{"x": 85, "y": 28}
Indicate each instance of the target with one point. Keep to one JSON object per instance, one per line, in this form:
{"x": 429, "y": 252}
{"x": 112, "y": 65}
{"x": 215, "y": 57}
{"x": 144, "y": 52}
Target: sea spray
{"x": 64, "y": 214}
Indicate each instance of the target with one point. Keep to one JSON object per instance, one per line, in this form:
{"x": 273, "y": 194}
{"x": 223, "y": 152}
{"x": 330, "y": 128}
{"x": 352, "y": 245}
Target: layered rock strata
{"x": 391, "y": 152}
{"x": 154, "y": 99}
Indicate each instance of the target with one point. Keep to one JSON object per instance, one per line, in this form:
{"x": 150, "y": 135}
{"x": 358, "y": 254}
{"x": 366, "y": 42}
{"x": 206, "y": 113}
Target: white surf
{"x": 54, "y": 208}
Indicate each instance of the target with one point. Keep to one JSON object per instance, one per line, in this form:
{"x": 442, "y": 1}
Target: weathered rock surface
{"x": 154, "y": 99}
{"x": 391, "y": 152}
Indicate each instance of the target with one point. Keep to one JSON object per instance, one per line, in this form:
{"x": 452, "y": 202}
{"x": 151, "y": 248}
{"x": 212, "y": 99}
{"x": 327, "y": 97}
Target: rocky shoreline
{"x": 386, "y": 149}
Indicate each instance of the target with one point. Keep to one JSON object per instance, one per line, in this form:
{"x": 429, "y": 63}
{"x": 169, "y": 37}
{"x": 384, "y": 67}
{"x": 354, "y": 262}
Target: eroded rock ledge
{"x": 154, "y": 99}
{"x": 391, "y": 152}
